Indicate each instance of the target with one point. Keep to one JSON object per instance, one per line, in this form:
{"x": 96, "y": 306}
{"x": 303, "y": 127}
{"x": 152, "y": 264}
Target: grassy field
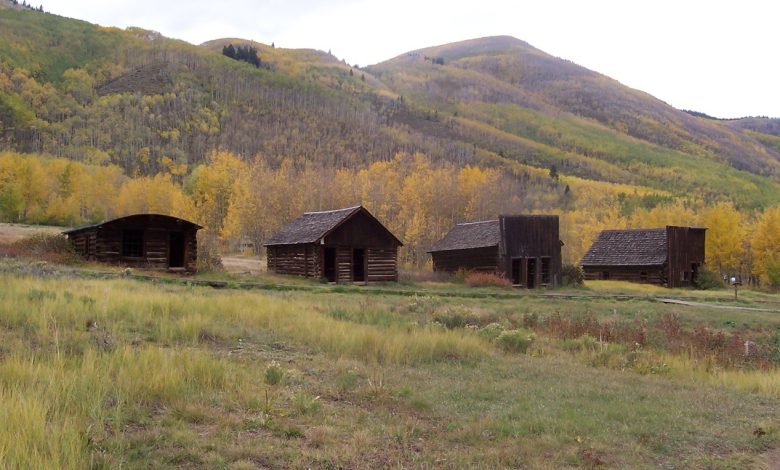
{"x": 138, "y": 374}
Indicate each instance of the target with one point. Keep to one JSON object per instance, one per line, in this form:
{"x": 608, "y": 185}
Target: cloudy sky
{"x": 718, "y": 57}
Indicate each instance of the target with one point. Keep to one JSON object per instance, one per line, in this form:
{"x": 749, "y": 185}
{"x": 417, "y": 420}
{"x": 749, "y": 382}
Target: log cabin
{"x": 151, "y": 241}
{"x": 344, "y": 245}
{"x": 523, "y": 248}
{"x": 670, "y": 256}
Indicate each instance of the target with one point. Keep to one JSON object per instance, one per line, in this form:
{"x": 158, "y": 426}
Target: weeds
{"x": 480, "y": 279}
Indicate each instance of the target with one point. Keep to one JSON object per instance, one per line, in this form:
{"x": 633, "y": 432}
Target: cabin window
{"x": 605, "y": 275}
{"x": 546, "y": 271}
{"x": 643, "y": 276}
{"x": 133, "y": 243}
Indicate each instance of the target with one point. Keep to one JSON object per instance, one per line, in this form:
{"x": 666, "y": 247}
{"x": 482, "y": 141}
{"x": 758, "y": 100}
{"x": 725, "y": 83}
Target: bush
{"x": 708, "y": 280}
{"x": 456, "y": 318}
{"x": 54, "y": 248}
{"x": 491, "y": 331}
{"x": 208, "y": 253}
{"x": 477, "y": 279}
{"x": 516, "y": 341}
{"x": 573, "y": 275}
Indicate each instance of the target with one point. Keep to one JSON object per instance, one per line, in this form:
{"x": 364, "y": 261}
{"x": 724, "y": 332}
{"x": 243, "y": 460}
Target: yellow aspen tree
{"x": 765, "y": 244}
{"x": 725, "y": 237}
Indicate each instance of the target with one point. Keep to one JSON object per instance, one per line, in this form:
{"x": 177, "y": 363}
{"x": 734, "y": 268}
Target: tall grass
{"x": 183, "y": 316}
{"x": 78, "y": 358}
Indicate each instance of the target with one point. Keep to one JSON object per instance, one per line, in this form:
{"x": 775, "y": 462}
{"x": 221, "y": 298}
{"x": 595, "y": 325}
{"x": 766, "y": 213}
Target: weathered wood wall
{"x": 300, "y": 260}
{"x": 653, "y": 274}
{"x": 103, "y": 243}
{"x": 382, "y": 264}
{"x": 474, "y": 259}
{"x": 685, "y": 248}
{"x": 525, "y": 237}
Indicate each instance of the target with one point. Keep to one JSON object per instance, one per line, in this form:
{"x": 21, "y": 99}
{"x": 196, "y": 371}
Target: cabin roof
{"x": 469, "y": 235}
{"x": 313, "y": 226}
{"x": 151, "y": 217}
{"x": 636, "y": 247}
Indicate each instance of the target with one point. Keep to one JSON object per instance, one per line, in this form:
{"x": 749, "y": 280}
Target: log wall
{"x": 475, "y": 259}
{"x": 653, "y": 274}
{"x": 300, "y": 260}
{"x": 103, "y": 243}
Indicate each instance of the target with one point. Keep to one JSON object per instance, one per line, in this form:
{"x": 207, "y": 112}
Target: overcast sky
{"x": 717, "y": 57}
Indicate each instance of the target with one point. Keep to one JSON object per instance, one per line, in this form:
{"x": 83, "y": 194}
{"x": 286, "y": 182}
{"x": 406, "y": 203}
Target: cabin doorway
{"x": 359, "y": 265}
{"x": 516, "y": 270}
{"x": 531, "y": 273}
{"x": 329, "y": 265}
{"x": 694, "y": 273}
{"x": 176, "y": 250}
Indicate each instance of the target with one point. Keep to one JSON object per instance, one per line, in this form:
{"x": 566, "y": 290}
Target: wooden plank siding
{"x": 670, "y": 256}
{"x": 506, "y": 247}
{"x": 531, "y": 237}
{"x": 382, "y": 265}
{"x": 300, "y": 260}
{"x": 685, "y": 254}
{"x": 484, "y": 259}
{"x": 639, "y": 274}
{"x": 103, "y": 242}
{"x": 300, "y": 247}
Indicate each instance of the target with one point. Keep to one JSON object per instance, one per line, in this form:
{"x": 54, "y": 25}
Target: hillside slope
{"x": 515, "y": 88}
{"x": 151, "y": 104}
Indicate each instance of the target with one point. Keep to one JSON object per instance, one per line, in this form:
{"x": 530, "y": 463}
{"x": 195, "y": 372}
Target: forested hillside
{"x": 97, "y": 122}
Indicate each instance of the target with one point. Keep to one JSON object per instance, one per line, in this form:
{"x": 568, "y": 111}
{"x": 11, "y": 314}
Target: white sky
{"x": 718, "y": 57}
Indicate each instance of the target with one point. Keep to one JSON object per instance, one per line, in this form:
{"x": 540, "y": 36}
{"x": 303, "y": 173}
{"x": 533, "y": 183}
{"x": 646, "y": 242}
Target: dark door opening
{"x": 359, "y": 265}
{"x": 516, "y": 266}
{"x": 694, "y": 273}
{"x": 176, "y": 250}
{"x": 531, "y": 273}
{"x": 329, "y": 266}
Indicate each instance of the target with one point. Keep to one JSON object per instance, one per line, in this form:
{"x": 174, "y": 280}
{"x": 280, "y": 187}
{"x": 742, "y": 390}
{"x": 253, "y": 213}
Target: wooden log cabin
{"x": 523, "y": 248}
{"x": 345, "y": 245}
{"x": 670, "y": 256}
{"x": 151, "y": 241}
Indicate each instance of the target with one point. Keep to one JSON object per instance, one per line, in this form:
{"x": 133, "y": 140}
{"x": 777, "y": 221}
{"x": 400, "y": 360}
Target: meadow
{"x": 109, "y": 373}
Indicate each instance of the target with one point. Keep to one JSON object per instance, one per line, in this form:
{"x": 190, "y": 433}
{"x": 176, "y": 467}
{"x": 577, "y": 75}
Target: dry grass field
{"x": 109, "y": 373}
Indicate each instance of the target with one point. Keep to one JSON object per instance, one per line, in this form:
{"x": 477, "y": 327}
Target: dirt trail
{"x": 723, "y": 307}
{"x": 243, "y": 265}
{"x": 10, "y": 233}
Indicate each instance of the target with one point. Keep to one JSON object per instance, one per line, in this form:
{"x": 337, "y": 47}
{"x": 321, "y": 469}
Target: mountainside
{"x": 151, "y": 104}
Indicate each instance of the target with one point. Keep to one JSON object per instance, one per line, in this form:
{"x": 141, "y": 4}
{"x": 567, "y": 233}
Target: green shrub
{"x": 708, "y": 280}
{"x": 573, "y": 275}
{"x": 273, "y": 374}
{"x": 516, "y": 341}
{"x": 491, "y": 331}
{"x": 455, "y": 318}
{"x": 583, "y": 343}
{"x": 306, "y": 404}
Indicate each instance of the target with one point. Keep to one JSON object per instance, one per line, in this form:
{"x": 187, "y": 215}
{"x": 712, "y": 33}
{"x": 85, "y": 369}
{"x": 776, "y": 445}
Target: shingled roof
{"x": 638, "y": 247}
{"x": 469, "y": 235}
{"x": 313, "y": 226}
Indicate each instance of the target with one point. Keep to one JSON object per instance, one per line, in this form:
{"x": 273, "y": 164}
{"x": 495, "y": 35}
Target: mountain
{"x": 577, "y": 119}
{"x": 149, "y": 104}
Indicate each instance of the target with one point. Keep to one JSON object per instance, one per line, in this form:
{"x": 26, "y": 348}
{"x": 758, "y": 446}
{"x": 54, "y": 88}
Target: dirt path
{"x": 243, "y": 265}
{"x": 10, "y": 233}
{"x": 723, "y": 307}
